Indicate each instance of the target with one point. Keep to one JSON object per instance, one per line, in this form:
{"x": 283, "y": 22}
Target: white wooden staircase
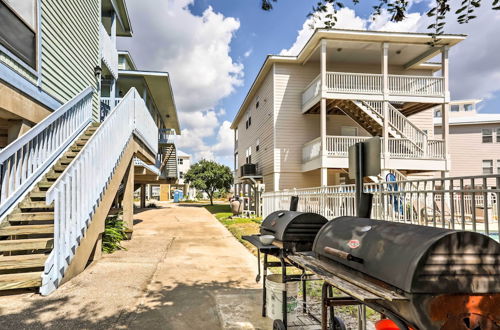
{"x": 53, "y": 180}
{"x": 370, "y": 115}
{"x": 27, "y": 235}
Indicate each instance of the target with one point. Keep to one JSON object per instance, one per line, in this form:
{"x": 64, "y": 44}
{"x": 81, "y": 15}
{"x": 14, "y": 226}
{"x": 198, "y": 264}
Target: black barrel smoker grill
{"x": 294, "y": 232}
{"x": 420, "y": 277}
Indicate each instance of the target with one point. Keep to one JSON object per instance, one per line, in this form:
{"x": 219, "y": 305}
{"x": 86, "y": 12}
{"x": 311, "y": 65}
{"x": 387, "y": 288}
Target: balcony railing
{"x": 466, "y": 203}
{"x": 338, "y": 146}
{"x": 166, "y": 136}
{"x": 109, "y": 54}
{"x": 369, "y": 83}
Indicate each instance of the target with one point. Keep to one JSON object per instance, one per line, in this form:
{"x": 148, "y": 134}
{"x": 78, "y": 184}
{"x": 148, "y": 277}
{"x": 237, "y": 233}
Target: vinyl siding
{"x": 425, "y": 121}
{"x": 467, "y": 151}
{"x": 14, "y": 65}
{"x": 70, "y": 47}
{"x": 262, "y": 129}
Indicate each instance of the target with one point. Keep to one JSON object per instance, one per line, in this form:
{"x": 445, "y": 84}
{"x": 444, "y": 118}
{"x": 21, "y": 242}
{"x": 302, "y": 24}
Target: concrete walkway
{"x": 181, "y": 270}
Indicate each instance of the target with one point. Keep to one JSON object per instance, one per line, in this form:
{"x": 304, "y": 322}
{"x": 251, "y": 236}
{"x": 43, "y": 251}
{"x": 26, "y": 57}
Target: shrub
{"x": 114, "y": 233}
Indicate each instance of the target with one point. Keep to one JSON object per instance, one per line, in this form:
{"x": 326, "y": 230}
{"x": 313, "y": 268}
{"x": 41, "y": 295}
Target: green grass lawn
{"x": 237, "y": 226}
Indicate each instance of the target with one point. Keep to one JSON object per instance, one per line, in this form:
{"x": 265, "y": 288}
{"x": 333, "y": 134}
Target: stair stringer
{"x": 91, "y": 239}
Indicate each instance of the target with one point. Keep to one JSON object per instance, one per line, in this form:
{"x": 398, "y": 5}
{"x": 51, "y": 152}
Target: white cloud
{"x": 248, "y": 52}
{"x": 474, "y": 64}
{"x": 195, "y": 50}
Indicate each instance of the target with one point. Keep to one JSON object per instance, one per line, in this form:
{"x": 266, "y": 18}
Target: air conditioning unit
{"x": 249, "y": 170}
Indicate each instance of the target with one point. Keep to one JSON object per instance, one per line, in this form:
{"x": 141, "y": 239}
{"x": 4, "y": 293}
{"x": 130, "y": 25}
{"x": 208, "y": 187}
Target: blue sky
{"x": 215, "y": 48}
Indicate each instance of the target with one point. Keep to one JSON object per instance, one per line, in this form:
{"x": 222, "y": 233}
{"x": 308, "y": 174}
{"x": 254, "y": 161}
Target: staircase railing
{"x": 78, "y": 191}
{"x": 24, "y": 160}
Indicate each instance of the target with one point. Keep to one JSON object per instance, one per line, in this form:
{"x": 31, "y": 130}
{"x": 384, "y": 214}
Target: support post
{"x": 385, "y": 90}
{"x": 445, "y": 107}
{"x": 143, "y": 196}
{"x": 324, "y": 155}
{"x": 128, "y": 200}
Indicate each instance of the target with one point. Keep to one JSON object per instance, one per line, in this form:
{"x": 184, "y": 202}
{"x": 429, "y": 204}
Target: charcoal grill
{"x": 420, "y": 277}
{"x": 294, "y": 232}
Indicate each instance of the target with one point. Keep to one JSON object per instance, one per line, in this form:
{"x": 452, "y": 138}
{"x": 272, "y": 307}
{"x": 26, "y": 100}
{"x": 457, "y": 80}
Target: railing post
{"x": 324, "y": 171}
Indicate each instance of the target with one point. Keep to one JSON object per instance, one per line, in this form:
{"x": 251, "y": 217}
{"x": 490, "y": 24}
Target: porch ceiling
{"x": 159, "y": 89}
{"x": 366, "y": 52}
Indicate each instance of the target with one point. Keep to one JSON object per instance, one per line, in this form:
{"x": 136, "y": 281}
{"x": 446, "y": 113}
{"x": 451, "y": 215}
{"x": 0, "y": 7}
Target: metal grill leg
{"x": 284, "y": 293}
{"x": 264, "y": 292}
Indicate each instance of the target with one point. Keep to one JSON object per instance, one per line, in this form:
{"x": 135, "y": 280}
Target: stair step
{"x": 59, "y": 168}
{"x": 70, "y": 154}
{"x": 26, "y": 244}
{"x": 35, "y": 205}
{"x": 65, "y": 161}
{"x": 53, "y": 176}
{"x": 38, "y": 195}
{"x": 20, "y": 280}
{"x": 22, "y": 261}
{"x": 44, "y": 185}
{"x": 26, "y": 230}
{"x": 31, "y": 216}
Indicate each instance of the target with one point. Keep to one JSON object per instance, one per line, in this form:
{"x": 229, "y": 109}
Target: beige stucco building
{"x": 303, "y": 112}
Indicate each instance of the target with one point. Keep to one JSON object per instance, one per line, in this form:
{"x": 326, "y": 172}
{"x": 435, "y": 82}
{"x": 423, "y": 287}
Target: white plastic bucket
{"x": 274, "y": 299}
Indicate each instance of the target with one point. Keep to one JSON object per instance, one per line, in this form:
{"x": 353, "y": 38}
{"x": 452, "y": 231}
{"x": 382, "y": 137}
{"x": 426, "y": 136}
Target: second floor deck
{"x": 370, "y": 86}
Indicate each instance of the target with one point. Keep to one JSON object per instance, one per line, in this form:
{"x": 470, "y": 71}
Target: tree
{"x": 398, "y": 10}
{"x": 209, "y": 176}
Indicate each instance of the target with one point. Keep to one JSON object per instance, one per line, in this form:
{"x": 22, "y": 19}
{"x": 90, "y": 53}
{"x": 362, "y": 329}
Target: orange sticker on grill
{"x": 353, "y": 244}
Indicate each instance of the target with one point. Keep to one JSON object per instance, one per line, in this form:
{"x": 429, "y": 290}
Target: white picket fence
{"x": 77, "y": 192}
{"x": 466, "y": 203}
{"x": 24, "y": 160}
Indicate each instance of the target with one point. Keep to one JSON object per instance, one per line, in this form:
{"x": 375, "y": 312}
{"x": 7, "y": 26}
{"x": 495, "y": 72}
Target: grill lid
{"x": 293, "y": 225}
{"x": 415, "y": 259}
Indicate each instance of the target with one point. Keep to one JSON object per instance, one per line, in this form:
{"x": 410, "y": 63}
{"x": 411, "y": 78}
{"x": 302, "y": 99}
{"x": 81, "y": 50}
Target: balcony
{"x": 166, "y": 136}
{"x": 402, "y": 153}
{"x": 346, "y": 85}
{"x": 109, "y": 54}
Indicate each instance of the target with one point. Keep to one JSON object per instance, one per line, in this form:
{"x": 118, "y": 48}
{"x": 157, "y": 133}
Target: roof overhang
{"x": 476, "y": 120}
{"x": 419, "y": 61}
{"x": 160, "y": 89}
{"x": 128, "y": 57}
{"x": 124, "y": 27}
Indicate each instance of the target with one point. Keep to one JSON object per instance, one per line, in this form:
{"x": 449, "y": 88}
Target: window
{"x": 487, "y": 135}
{"x": 498, "y": 135}
{"x": 235, "y": 160}
{"x": 248, "y": 155}
{"x": 181, "y": 175}
{"x": 498, "y": 166}
{"x": 488, "y": 166}
{"x": 348, "y": 131}
{"x": 468, "y": 107}
{"x": 18, "y": 29}
{"x": 249, "y": 121}
{"x": 257, "y": 102}
{"x": 257, "y": 145}
{"x": 437, "y": 113}
{"x": 180, "y": 161}
{"x": 455, "y": 108}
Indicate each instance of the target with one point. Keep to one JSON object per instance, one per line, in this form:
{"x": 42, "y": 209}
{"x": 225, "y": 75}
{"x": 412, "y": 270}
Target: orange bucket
{"x": 386, "y": 324}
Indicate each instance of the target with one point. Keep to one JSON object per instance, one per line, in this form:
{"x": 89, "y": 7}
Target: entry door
{"x": 348, "y": 131}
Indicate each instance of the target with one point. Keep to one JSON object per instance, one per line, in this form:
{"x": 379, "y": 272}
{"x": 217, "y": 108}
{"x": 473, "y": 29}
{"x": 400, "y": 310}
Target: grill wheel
{"x": 470, "y": 322}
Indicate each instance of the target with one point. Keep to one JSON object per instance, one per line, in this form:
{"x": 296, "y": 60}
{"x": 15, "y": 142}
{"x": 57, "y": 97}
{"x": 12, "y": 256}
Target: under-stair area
{"x": 27, "y": 235}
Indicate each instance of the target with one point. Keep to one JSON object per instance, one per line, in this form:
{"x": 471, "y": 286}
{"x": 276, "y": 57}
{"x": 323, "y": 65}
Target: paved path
{"x": 181, "y": 270}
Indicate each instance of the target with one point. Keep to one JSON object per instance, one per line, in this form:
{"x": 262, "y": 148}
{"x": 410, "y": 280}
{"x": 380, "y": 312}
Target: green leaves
{"x": 398, "y": 10}
{"x": 209, "y": 176}
{"x": 114, "y": 233}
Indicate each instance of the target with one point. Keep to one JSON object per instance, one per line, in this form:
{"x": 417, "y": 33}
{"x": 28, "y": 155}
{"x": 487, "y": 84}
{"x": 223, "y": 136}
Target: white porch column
{"x": 385, "y": 90}
{"x": 113, "y": 28}
{"x": 445, "y": 107}
{"x": 324, "y": 154}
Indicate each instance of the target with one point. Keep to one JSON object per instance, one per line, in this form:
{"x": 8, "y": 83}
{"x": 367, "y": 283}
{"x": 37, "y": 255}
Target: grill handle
{"x": 342, "y": 254}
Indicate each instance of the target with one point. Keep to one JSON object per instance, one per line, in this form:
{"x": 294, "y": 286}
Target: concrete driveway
{"x": 181, "y": 270}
